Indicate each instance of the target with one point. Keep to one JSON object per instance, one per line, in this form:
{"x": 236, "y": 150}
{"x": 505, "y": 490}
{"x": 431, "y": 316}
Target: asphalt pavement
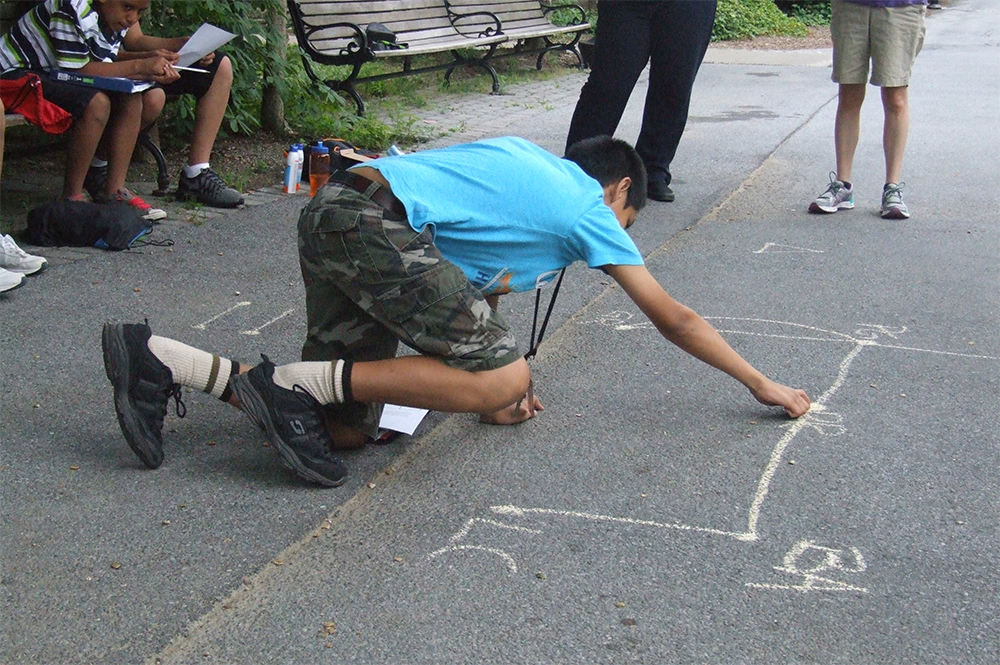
{"x": 654, "y": 513}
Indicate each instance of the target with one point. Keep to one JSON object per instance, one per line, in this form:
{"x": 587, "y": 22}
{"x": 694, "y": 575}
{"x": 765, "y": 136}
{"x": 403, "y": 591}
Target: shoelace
{"x": 10, "y": 247}
{"x": 177, "y": 392}
{"x": 894, "y": 193}
{"x": 305, "y": 396}
{"x": 213, "y": 181}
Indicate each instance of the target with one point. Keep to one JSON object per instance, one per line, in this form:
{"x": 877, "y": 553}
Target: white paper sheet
{"x": 401, "y": 418}
{"x": 204, "y": 41}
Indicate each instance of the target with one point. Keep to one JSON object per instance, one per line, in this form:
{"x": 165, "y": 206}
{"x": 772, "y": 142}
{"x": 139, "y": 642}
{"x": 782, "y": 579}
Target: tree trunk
{"x": 272, "y": 107}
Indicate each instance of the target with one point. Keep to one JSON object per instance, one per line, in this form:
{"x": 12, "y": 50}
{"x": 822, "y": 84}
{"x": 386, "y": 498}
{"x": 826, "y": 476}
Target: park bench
{"x": 333, "y": 32}
{"x": 9, "y": 13}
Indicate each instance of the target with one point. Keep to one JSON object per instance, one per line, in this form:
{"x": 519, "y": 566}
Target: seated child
{"x": 211, "y": 89}
{"x": 85, "y": 36}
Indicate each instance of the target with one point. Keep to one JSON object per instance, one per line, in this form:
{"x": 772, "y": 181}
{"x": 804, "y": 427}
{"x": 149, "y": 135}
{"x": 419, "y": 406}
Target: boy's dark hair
{"x": 608, "y": 160}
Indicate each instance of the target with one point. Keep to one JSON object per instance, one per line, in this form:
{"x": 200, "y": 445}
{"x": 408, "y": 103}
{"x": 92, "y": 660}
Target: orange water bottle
{"x": 319, "y": 168}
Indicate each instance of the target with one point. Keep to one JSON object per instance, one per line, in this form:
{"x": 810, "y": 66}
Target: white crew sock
{"x": 194, "y": 368}
{"x": 324, "y": 380}
{"x": 194, "y": 170}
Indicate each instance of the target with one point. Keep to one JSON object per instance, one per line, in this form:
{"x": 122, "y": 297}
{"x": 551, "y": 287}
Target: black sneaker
{"x": 294, "y": 423}
{"x": 210, "y": 189}
{"x": 143, "y": 385}
{"x": 95, "y": 180}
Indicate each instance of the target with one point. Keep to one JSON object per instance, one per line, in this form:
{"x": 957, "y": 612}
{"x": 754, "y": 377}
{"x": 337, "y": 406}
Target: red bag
{"x": 24, "y": 96}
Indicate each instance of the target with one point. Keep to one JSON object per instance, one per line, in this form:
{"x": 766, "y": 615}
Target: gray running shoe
{"x": 143, "y": 385}
{"x": 294, "y": 423}
{"x": 210, "y": 189}
{"x": 836, "y": 197}
{"x": 892, "y": 202}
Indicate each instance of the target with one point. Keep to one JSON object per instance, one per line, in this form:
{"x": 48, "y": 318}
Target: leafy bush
{"x": 743, "y": 19}
{"x": 810, "y": 12}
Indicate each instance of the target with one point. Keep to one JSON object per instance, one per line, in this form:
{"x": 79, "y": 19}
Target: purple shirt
{"x": 887, "y": 3}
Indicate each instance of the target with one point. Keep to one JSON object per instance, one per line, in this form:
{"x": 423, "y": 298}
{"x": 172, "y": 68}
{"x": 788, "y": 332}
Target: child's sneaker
{"x": 148, "y": 212}
{"x": 294, "y": 423}
{"x": 15, "y": 259}
{"x": 95, "y": 180}
{"x": 892, "y": 202}
{"x": 142, "y": 386}
{"x": 836, "y": 197}
{"x": 208, "y": 188}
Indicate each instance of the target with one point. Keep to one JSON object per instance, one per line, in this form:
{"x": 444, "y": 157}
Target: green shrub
{"x": 743, "y": 19}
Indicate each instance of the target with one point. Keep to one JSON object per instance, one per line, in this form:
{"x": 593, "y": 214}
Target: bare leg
{"x": 428, "y": 383}
{"x": 152, "y": 105}
{"x": 848, "y": 127}
{"x": 85, "y": 135}
{"x": 209, "y": 113}
{"x": 895, "y": 103}
{"x": 122, "y": 131}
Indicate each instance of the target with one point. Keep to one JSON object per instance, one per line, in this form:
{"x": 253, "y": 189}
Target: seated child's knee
{"x": 99, "y": 108}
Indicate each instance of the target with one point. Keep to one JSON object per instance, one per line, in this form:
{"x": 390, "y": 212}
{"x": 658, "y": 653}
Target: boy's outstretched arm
{"x": 685, "y": 328}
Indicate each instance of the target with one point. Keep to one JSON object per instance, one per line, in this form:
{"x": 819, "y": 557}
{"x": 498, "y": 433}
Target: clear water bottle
{"x": 394, "y": 151}
{"x": 319, "y": 168}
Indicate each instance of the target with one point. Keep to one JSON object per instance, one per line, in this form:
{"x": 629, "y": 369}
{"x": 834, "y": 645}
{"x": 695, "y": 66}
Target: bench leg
{"x": 479, "y": 62}
{"x": 162, "y": 175}
{"x": 556, "y": 46}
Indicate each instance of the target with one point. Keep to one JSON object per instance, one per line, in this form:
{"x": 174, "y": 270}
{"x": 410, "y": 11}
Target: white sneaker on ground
{"x": 836, "y": 197}
{"x": 11, "y": 280}
{"x": 892, "y": 202}
{"x": 15, "y": 259}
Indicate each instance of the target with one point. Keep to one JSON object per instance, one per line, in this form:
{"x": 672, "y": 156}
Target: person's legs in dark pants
{"x": 621, "y": 52}
{"x": 680, "y": 35}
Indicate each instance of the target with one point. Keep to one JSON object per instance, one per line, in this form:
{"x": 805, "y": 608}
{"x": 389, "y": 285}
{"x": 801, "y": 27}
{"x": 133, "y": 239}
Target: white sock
{"x": 194, "y": 170}
{"x": 323, "y": 380}
{"x": 193, "y": 368}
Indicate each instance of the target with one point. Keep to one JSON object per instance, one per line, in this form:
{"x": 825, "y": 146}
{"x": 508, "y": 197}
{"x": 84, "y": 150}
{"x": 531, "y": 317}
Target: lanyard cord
{"x": 545, "y": 322}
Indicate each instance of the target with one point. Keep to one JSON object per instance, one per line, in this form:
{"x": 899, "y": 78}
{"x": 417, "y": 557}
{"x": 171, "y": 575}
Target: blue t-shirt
{"x": 507, "y": 212}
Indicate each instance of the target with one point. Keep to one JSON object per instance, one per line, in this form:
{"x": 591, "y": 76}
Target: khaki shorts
{"x": 372, "y": 281}
{"x": 889, "y": 37}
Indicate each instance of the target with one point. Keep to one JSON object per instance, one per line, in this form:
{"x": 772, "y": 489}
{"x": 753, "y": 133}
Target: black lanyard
{"x": 545, "y": 322}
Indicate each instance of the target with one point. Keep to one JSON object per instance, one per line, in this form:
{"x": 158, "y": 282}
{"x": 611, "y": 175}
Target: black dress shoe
{"x": 660, "y": 191}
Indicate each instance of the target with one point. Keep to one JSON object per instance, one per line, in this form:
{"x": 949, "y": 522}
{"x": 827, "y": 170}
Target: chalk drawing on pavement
{"x": 821, "y": 420}
{"x": 807, "y": 560}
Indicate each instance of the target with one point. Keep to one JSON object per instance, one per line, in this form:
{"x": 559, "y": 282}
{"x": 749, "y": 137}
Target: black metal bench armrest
{"x": 458, "y": 19}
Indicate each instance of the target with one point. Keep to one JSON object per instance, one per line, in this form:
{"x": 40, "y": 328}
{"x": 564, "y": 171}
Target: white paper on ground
{"x": 204, "y": 41}
{"x": 401, "y": 418}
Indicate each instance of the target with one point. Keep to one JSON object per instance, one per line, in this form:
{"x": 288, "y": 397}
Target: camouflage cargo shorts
{"x": 371, "y": 282}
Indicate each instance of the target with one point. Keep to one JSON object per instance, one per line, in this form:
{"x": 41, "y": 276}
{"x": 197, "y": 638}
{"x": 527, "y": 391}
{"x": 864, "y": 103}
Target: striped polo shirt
{"x": 58, "y": 34}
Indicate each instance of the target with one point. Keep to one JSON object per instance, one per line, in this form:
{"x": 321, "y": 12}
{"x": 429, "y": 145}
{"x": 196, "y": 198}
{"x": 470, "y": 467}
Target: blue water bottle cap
{"x": 320, "y": 149}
